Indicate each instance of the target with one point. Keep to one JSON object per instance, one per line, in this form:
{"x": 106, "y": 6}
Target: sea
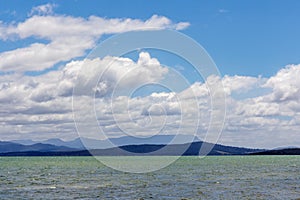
{"x": 190, "y": 177}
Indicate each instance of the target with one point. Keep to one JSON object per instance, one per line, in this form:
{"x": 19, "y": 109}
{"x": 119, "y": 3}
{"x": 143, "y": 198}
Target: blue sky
{"x": 255, "y": 45}
{"x": 249, "y": 38}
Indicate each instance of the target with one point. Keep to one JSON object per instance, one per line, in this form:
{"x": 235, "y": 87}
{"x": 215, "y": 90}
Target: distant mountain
{"x": 86, "y": 143}
{"x": 157, "y": 139}
{"x": 24, "y": 142}
{"x": 14, "y": 147}
{"x": 54, "y": 141}
{"x": 286, "y": 147}
{"x": 76, "y": 144}
{"x": 287, "y": 151}
{"x": 188, "y": 149}
{"x": 134, "y": 150}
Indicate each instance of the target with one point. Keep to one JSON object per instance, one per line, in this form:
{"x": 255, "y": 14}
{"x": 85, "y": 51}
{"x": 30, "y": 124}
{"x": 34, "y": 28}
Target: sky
{"x": 255, "y": 45}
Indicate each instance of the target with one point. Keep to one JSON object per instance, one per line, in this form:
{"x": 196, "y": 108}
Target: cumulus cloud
{"x": 68, "y": 37}
{"x": 115, "y": 74}
{"x": 36, "y": 103}
{"x": 50, "y": 94}
{"x": 239, "y": 83}
{"x": 97, "y": 76}
{"x": 168, "y": 105}
{"x": 285, "y": 84}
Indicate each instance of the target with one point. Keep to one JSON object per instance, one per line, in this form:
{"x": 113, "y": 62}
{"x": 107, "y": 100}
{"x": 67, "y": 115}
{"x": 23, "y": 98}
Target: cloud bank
{"x": 41, "y": 106}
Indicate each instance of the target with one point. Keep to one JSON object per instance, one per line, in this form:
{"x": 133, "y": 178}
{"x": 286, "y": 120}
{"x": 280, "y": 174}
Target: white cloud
{"x": 69, "y": 37}
{"x": 123, "y": 73}
{"x": 168, "y": 105}
{"x": 252, "y": 108}
{"x": 115, "y": 74}
{"x": 45, "y": 9}
{"x": 239, "y": 83}
{"x": 44, "y": 103}
{"x": 285, "y": 84}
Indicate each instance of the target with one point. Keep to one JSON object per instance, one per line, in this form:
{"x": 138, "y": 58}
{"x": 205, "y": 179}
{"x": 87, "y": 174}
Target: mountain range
{"x": 15, "y": 147}
{"x": 129, "y": 146}
{"x": 87, "y": 143}
{"x": 128, "y": 150}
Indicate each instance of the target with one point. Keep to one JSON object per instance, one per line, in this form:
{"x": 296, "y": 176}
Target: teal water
{"x": 227, "y": 177}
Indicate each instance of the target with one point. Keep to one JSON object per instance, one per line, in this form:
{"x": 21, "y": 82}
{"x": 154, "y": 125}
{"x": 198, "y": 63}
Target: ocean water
{"x": 227, "y": 177}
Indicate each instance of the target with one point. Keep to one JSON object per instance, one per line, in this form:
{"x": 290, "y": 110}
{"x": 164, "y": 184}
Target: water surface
{"x": 214, "y": 177}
